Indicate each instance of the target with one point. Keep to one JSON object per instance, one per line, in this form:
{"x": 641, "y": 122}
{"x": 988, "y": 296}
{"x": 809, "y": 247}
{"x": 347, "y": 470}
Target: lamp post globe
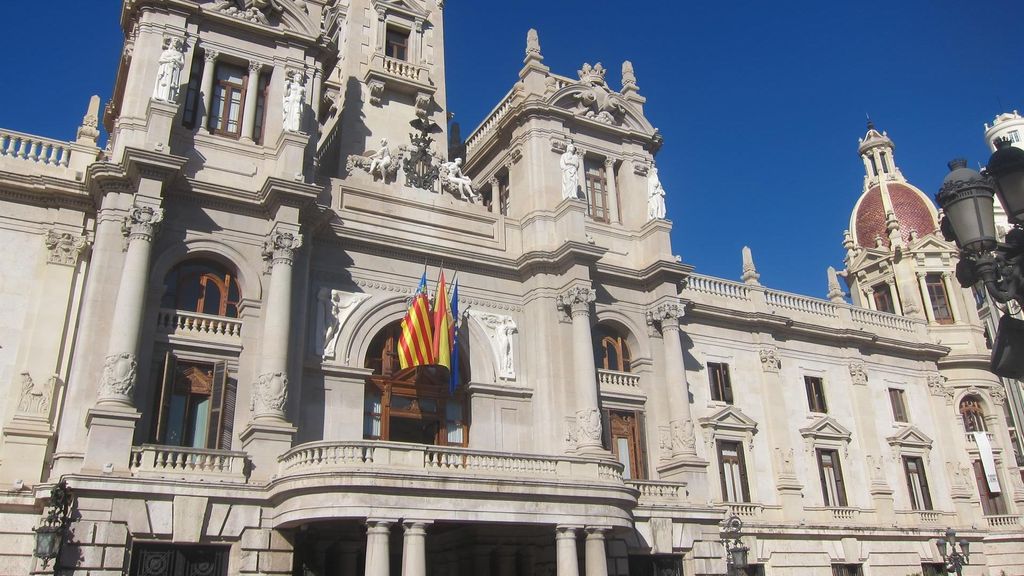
{"x": 967, "y": 199}
{"x": 1006, "y": 166}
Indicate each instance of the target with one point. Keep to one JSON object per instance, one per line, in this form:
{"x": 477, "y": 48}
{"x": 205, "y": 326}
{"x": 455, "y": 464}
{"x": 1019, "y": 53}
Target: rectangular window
{"x": 1013, "y": 135}
{"x": 882, "y": 295}
{"x": 597, "y": 190}
{"x": 815, "y": 394}
{"x": 397, "y": 44}
{"x": 192, "y": 100}
{"x": 917, "y": 483}
{"x": 721, "y": 388}
{"x": 991, "y": 502}
{"x": 940, "y": 300}
{"x": 733, "y": 470}
{"x": 833, "y": 493}
{"x": 149, "y": 559}
{"x": 899, "y": 406}
{"x": 196, "y": 405}
{"x": 624, "y": 429}
{"x": 228, "y": 99}
{"x": 933, "y": 569}
{"x": 846, "y": 570}
{"x": 885, "y": 162}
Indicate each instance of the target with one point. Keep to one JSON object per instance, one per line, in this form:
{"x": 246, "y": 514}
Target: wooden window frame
{"x": 391, "y": 33}
{"x": 741, "y": 462}
{"x": 815, "y": 388}
{"x": 942, "y": 309}
{"x": 631, "y": 422}
{"x": 199, "y": 274}
{"x": 596, "y": 180}
{"x": 898, "y": 402}
{"x": 259, "y": 126}
{"x": 992, "y": 504}
{"x": 883, "y": 298}
{"x": 922, "y": 501}
{"x": 839, "y": 485}
{"x": 972, "y": 414}
{"x": 720, "y": 382}
{"x": 222, "y": 395}
{"x": 227, "y": 89}
{"x": 193, "y": 98}
{"x": 388, "y": 389}
{"x": 622, "y": 362}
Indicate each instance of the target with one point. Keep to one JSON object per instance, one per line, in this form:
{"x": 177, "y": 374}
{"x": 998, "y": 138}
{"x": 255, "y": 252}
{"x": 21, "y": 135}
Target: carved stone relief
{"x": 119, "y": 371}
{"x": 35, "y": 398}
{"x": 64, "y": 247}
{"x": 499, "y": 329}
{"x": 584, "y": 429}
{"x": 858, "y": 373}
{"x": 770, "y": 360}
{"x": 334, "y": 308}
{"x": 269, "y": 394}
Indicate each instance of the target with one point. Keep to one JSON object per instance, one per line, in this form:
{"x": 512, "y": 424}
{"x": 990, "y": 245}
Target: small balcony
{"x": 188, "y": 464}
{"x": 657, "y": 493}
{"x": 196, "y": 326}
{"x": 1004, "y": 521}
{"x": 615, "y": 383}
{"x": 400, "y": 75}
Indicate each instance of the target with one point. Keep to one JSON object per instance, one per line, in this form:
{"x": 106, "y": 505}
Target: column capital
{"x": 597, "y": 531}
{"x": 209, "y": 54}
{"x": 377, "y": 525}
{"x": 415, "y": 526}
{"x": 921, "y": 275}
{"x": 564, "y": 531}
{"x": 141, "y": 223}
{"x": 576, "y": 301}
{"x": 280, "y": 247}
{"x": 666, "y": 316}
{"x": 255, "y": 65}
{"x": 770, "y": 360}
{"x": 64, "y": 248}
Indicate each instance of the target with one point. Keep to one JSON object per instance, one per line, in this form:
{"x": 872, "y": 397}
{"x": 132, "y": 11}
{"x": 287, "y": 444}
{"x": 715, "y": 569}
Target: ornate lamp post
{"x": 954, "y": 560}
{"x": 735, "y": 551}
{"x": 51, "y": 533}
{"x": 967, "y": 199}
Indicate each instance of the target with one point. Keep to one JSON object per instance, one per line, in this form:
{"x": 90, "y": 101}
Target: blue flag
{"x": 453, "y": 381}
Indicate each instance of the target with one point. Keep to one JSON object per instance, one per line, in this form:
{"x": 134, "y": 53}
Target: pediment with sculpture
{"x": 590, "y": 97}
{"x": 292, "y": 15}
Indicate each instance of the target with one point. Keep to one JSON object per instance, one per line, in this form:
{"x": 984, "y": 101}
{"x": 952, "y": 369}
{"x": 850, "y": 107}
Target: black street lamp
{"x": 50, "y": 535}
{"x": 953, "y": 559}
{"x": 735, "y": 551}
{"x": 967, "y": 200}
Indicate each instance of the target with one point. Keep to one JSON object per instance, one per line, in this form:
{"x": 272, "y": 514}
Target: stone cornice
{"x": 45, "y": 191}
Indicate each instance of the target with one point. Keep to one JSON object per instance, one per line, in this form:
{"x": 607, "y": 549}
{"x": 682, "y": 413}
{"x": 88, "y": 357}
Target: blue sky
{"x": 760, "y": 103}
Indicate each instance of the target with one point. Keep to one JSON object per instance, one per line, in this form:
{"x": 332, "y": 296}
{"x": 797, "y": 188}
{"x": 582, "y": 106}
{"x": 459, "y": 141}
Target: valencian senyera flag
{"x": 415, "y": 345}
{"x": 453, "y": 379}
{"x": 443, "y": 326}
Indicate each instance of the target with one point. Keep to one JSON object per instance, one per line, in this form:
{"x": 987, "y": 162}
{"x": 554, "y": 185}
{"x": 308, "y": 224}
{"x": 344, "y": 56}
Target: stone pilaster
{"x": 586, "y": 435}
{"x": 786, "y": 482}
{"x": 269, "y": 434}
{"x": 251, "y": 87}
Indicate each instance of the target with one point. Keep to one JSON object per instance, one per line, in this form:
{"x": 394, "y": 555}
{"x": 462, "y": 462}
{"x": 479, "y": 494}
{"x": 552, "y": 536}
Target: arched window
{"x": 612, "y": 352}
{"x": 973, "y": 414}
{"x": 203, "y": 286}
{"x": 414, "y": 405}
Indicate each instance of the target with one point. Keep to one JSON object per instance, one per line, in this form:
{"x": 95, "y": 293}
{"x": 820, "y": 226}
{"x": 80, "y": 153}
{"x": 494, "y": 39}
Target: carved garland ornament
{"x": 858, "y": 373}
{"x": 937, "y": 385}
{"x": 35, "y": 398}
{"x": 770, "y": 360}
{"x": 269, "y": 394}
{"x": 119, "y": 371}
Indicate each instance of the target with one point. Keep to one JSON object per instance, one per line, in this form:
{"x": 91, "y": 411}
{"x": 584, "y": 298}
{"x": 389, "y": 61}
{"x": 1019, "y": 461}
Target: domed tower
{"x": 1008, "y": 125}
{"x": 896, "y": 260}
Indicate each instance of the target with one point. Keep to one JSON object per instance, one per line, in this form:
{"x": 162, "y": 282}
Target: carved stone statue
{"x": 335, "y": 307}
{"x": 598, "y": 102}
{"x": 294, "y": 98}
{"x": 168, "y": 75}
{"x": 655, "y": 196}
{"x": 570, "y": 164}
{"x": 380, "y": 161}
{"x": 455, "y": 182}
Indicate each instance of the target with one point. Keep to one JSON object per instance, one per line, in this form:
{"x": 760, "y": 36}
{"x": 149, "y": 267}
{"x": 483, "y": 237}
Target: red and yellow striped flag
{"x": 415, "y": 343}
{"x": 444, "y": 326}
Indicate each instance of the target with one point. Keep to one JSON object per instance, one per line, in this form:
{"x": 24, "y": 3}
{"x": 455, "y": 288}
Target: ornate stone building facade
{"x": 199, "y": 325}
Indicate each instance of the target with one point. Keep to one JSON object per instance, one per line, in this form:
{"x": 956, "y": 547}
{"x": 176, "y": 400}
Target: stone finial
{"x": 750, "y": 275}
{"x": 892, "y": 227}
{"x": 628, "y": 78}
{"x": 89, "y": 131}
{"x": 835, "y": 291}
{"x": 533, "y": 46}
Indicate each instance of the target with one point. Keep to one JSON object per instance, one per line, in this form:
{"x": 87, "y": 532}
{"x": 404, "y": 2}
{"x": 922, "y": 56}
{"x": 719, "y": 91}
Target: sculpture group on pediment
{"x": 455, "y": 182}
{"x": 252, "y": 10}
{"x": 597, "y": 101}
{"x": 380, "y": 163}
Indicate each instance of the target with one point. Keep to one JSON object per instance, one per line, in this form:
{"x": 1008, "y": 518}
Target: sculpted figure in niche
{"x": 570, "y": 164}
{"x": 335, "y": 308}
{"x": 499, "y": 330}
{"x": 294, "y": 97}
{"x": 655, "y": 196}
{"x": 168, "y": 75}
{"x": 454, "y": 181}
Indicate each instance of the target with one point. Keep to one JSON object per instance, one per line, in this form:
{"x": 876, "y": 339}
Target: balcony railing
{"x": 1004, "y": 521}
{"x": 199, "y": 326}
{"x": 972, "y": 441}
{"x": 183, "y": 463}
{"x": 34, "y": 149}
{"x": 616, "y": 379}
{"x": 745, "y": 509}
{"x": 657, "y": 492}
{"x": 369, "y": 454}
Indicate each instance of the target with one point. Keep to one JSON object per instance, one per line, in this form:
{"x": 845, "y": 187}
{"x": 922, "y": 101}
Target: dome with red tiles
{"x": 912, "y": 208}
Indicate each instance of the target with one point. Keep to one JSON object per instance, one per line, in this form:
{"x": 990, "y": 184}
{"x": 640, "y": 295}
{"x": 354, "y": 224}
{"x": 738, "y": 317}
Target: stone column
{"x": 565, "y": 551}
{"x": 897, "y": 306}
{"x": 120, "y": 365}
{"x": 377, "y": 548}
{"x": 251, "y": 88}
{"x": 268, "y": 434}
{"x": 597, "y": 561}
{"x": 414, "y": 549}
{"x": 926, "y": 298}
{"x": 683, "y": 440}
{"x": 209, "y": 63}
{"x": 495, "y": 195}
{"x": 613, "y": 193}
{"x": 951, "y": 299}
{"x": 576, "y": 302}
{"x": 869, "y": 298}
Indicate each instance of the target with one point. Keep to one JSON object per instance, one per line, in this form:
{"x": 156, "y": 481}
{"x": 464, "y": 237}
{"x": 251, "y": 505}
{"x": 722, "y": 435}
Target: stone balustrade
{"x": 454, "y": 461}
{"x": 184, "y": 463}
{"x": 198, "y": 326}
{"x": 402, "y": 69}
{"x": 972, "y": 441}
{"x": 913, "y": 518}
{"x": 490, "y": 122}
{"x": 745, "y": 510}
{"x": 738, "y": 296}
{"x": 16, "y": 146}
{"x": 659, "y": 493}
{"x": 1004, "y": 521}
{"x": 613, "y": 378}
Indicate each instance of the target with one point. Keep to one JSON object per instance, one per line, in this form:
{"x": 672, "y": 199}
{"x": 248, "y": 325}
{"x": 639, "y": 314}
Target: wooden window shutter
{"x": 641, "y": 449}
{"x": 727, "y": 389}
{"x": 720, "y": 445}
{"x": 166, "y": 390}
{"x": 926, "y": 494}
{"x": 840, "y": 486}
{"x": 743, "y": 472}
{"x": 218, "y": 392}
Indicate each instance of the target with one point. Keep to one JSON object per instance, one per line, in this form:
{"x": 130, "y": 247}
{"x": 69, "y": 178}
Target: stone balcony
{"x": 399, "y": 75}
{"x": 182, "y": 324}
{"x": 612, "y": 383}
{"x": 188, "y": 464}
{"x": 25, "y": 154}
